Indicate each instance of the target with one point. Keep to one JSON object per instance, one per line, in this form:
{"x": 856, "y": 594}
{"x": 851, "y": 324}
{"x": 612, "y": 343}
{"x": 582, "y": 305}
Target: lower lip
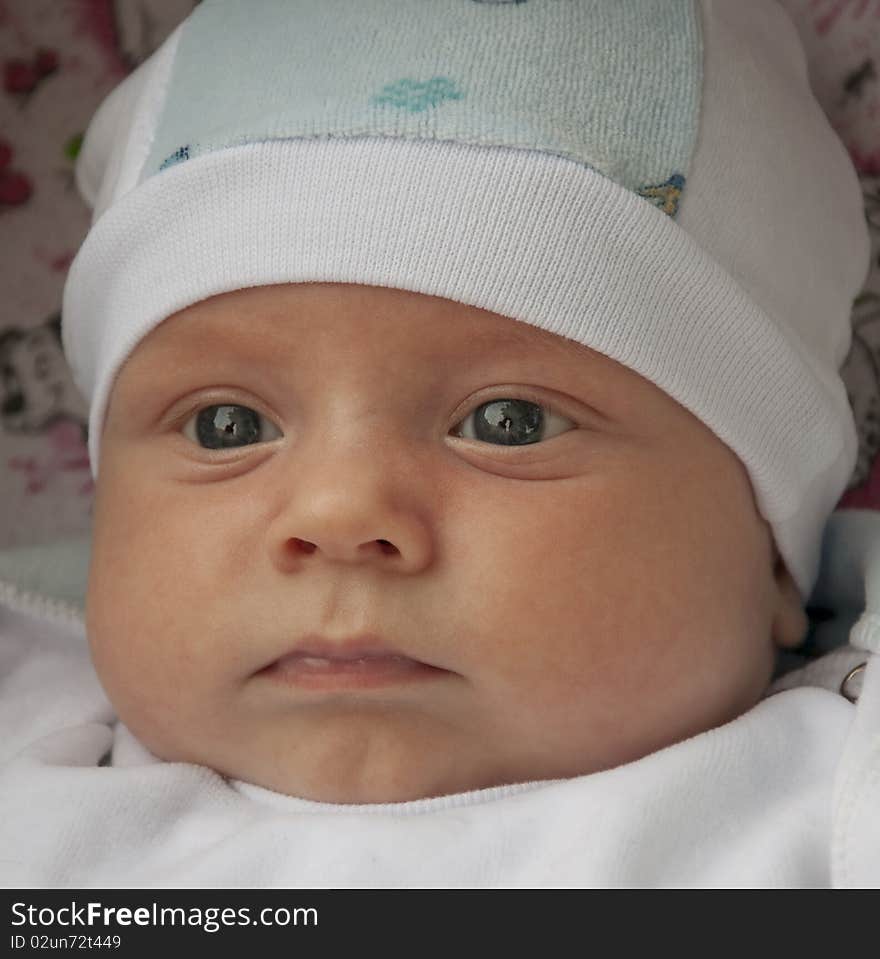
{"x": 368, "y": 673}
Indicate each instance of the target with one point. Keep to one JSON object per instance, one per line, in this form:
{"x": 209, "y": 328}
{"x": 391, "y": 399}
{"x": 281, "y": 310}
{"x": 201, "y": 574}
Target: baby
{"x": 367, "y": 545}
{"x": 466, "y": 417}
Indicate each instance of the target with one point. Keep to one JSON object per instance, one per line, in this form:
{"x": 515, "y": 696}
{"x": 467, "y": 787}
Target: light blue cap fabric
{"x": 615, "y": 86}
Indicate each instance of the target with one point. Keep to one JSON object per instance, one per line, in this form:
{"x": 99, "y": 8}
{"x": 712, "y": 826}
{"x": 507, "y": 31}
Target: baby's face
{"x": 569, "y": 566}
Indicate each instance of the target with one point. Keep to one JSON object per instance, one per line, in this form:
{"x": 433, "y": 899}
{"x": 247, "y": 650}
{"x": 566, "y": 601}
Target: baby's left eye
{"x": 227, "y": 426}
{"x": 511, "y": 422}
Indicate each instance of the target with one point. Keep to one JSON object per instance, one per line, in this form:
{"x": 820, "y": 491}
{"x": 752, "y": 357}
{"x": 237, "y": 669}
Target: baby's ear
{"x": 790, "y": 620}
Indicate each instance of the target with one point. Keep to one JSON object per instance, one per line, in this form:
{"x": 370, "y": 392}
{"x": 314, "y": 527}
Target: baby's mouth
{"x": 353, "y": 664}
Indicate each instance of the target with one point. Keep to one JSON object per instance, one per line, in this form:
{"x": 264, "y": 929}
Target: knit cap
{"x": 651, "y": 178}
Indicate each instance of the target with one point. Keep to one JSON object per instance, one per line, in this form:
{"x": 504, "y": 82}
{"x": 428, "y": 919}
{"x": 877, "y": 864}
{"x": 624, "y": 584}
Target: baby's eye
{"x": 227, "y": 426}
{"x": 511, "y": 422}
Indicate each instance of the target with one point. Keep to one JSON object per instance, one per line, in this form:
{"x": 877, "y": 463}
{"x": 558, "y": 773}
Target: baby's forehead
{"x": 302, "y": 319}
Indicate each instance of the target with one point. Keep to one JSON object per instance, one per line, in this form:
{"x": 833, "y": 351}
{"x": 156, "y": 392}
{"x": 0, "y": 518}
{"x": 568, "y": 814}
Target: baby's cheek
{"x": 142, "y": 664}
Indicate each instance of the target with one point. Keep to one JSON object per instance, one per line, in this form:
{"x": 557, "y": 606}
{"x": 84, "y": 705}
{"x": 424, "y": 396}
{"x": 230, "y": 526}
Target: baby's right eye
{"x": 227, "y": 426}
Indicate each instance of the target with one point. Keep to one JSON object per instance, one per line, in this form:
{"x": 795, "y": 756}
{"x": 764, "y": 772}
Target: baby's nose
{"x": 357, "y": 508}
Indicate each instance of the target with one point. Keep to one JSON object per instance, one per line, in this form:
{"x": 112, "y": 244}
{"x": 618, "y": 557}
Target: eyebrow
{"x": 520, "y": 337}
{"x": 530, "y": 339}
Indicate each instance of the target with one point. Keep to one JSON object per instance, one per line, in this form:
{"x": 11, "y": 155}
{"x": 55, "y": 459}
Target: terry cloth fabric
{"x": 655, "y": 180}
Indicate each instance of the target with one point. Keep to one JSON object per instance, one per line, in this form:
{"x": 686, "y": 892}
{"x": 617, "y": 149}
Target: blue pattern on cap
{"x": 612, "y": 84}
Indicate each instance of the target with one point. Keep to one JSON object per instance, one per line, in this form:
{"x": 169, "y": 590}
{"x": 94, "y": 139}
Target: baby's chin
{"x": 385, "y": 775}
{"x": 414, "y": 778}
{"x": 336, "y": 768}
{"x": 401, "y": 775}
{"x": 375, "y": 789}
{"x": 377, "y": 781}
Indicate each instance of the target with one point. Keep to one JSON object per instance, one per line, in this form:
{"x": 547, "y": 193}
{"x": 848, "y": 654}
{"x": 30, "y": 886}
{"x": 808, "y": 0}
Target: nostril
{"x": 303, "y": 546}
